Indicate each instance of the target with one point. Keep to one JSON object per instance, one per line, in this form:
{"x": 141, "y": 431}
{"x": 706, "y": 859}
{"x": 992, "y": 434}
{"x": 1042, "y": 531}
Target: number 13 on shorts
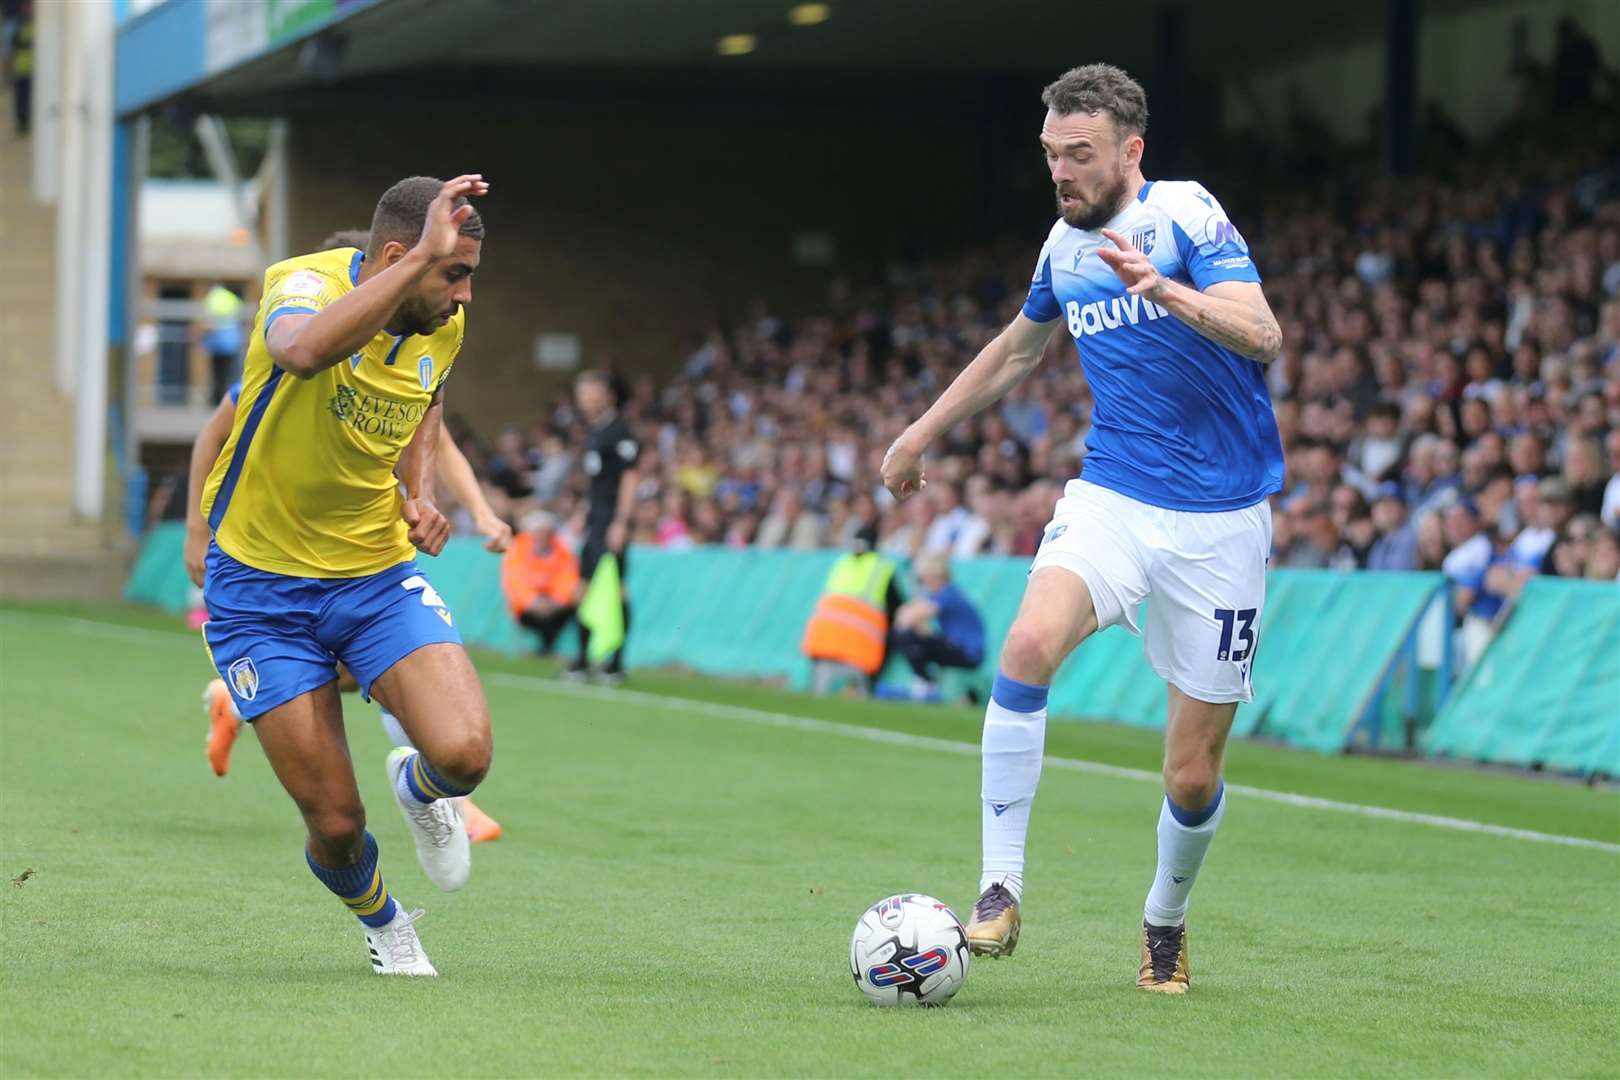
{"x": 1241, "y": 621}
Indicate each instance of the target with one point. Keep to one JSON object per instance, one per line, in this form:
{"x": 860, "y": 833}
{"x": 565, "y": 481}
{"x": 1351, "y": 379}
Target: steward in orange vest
{"x": 850, "y": 624}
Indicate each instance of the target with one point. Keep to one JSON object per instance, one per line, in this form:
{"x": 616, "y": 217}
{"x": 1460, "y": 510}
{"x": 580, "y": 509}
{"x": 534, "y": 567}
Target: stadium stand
{"x": 1449, "y": 343}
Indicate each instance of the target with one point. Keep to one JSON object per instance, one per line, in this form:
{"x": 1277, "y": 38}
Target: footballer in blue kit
{"x": 1156, "y": 286}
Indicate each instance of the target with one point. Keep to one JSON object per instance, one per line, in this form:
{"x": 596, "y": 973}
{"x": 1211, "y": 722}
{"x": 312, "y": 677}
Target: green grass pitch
{"x": 677, "y": 885}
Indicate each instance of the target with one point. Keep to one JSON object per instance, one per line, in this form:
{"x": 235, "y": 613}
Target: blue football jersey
{"x": 1179, "y": 421}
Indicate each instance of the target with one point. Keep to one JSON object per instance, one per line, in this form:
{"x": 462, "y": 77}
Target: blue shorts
{"x": 274, "y": 637}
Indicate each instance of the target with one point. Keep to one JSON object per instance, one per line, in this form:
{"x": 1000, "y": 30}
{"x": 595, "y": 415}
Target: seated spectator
{"x": 789, "y": 524}
{"x": 555, "y": 465}
{"x": 1603, "y": 555}
{"x": 540, "y": 576}
{"x": 1356, "y": 550}
{"x": 1431, "y": 538}
{"x": 509, "y": 465}
{"x": 1548, "y": 511}
{"x": 1376, "y": 454}
{"x": 951, "y": 519}
{"x": 1610, "y": 511}
{"x": 1472, "y": 553}
{"x": 1584, "y": 475}
{"x": 938, "y": 628}
{"x": 1396, "y": 547}
{"x": 674, "y": 529}
{"x": 1309, "y": 535}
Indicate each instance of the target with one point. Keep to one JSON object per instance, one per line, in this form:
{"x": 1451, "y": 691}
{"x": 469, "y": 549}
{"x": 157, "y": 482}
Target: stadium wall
{"x": 1329, "y": 673}
{"x": 631, "y": 225}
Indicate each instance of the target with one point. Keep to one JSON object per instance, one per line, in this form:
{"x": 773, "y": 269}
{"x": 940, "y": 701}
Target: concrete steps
{"x": 96, "y": 579}
{"x": 46, "y": 550}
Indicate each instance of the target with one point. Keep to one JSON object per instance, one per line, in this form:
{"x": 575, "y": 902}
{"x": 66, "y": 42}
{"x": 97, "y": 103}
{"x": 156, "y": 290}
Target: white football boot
{"x": 442, "y": 847}
{"x": 395, "y": 949}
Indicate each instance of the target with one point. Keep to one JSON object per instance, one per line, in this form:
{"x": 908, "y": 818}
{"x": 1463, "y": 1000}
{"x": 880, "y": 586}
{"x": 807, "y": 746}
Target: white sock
{"x": 391, "y": 727}
{"x": 1181, "y": 853}
{"x": 1013, "y": 743}
{"x": 403, "y": 786}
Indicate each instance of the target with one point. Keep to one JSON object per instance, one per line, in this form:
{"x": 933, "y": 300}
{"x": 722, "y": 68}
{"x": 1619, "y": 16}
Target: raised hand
{"x": 445, "y": 218}
{"x": 1135, "y": 269}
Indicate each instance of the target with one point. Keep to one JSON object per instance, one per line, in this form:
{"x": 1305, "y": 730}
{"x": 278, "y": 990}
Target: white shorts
{"x": 1206, "y": 573}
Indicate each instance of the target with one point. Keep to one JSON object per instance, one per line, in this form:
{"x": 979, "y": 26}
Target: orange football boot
{"x": 223, "y": 725}
{"x": 481, "y": 828}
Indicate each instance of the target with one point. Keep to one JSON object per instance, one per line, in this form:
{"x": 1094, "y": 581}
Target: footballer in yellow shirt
{"x": 312, "y": 562}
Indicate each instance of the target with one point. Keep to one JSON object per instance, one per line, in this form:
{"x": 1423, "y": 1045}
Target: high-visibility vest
{"x": 529, "y": 572}
{"x": 22, "y": 56}
{"x": 851, "y": 622}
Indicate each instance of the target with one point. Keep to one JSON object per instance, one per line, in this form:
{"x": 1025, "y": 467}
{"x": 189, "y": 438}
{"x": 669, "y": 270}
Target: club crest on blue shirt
{"x": 1142, "y": 239}
{"x": 424, "y": 371}
{"x": 244, "y": 678}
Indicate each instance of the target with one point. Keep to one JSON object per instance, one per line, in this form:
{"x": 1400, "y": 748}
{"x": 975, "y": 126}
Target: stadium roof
{"x": 248, "y": 55}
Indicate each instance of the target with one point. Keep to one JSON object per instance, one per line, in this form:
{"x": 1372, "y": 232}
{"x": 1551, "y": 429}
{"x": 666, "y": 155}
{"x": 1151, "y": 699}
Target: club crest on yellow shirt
{"x": 424, "y": 371}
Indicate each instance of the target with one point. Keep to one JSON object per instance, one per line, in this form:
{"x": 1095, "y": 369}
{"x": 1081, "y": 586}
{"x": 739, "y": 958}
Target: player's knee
{"x": 464, "y": 757}
{"x": 1193, "y": 783}
{"x": 1030, "y": 654}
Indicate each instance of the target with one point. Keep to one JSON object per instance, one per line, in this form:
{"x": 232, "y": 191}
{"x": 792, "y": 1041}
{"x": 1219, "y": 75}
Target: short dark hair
{"x": 402, "y": 211}
{"x": 608, "y": 381}
{"x": 355, "y": 238}
{"x": 1095, "y": 88}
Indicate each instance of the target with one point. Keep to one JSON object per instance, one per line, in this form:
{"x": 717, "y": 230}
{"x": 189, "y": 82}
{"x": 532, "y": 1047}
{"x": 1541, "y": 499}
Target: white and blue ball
{"x": 909, "y": 950}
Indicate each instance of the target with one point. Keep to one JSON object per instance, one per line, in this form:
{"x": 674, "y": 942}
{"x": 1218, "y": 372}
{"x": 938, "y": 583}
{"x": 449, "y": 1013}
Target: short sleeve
{"x": 300, "y": 292}
{"x": 1042, "y": 305}
{"x": 235, "y": 392}
{"x": 627, "y": 449}
{"x": 1210, "y": 246}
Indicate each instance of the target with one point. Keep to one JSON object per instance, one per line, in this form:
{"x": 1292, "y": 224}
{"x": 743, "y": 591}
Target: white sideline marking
{"x": 901, "y": 738}
{"x": 1095, "y": 768}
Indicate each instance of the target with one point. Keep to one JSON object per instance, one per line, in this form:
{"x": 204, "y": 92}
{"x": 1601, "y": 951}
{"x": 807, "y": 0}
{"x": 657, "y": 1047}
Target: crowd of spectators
{"x": 1448, "y": 395}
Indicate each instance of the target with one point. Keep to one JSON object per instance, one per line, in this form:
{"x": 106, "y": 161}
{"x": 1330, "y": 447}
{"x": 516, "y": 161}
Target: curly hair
{"x": 1097, "y": 88}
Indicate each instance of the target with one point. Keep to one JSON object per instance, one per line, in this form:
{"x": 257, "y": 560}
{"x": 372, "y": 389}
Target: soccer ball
{"x": 909, "y": 950}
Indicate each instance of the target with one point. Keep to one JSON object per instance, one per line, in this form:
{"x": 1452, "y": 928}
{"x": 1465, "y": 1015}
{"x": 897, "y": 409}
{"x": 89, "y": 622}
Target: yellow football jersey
{"x": 305, "y": 485}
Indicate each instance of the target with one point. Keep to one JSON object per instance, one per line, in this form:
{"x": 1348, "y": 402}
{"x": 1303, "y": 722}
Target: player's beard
{"x": 416, "y": 318}
{"x": 1091, "y": 216}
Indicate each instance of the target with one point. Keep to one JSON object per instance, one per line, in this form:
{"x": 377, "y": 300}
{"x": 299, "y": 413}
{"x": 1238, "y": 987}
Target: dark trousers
{"x": 223, "y": 369}
{"x": 548, "y": 627}
{"x": 922, "y": 650}
{"x": 22, "y": 96}
{"x": 595, "y": 548}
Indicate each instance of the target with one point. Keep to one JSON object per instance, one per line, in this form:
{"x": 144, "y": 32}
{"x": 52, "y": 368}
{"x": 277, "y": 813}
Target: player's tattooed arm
{"x": 1232, "y": 313}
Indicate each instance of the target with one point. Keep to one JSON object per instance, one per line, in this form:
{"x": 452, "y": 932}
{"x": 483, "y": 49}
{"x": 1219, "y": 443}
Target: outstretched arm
{"x": 1230, "y": 313}
{"x": 1000, "y": 366}
{"x": 458, "y": 476}
{"x": 305, "y": 345}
